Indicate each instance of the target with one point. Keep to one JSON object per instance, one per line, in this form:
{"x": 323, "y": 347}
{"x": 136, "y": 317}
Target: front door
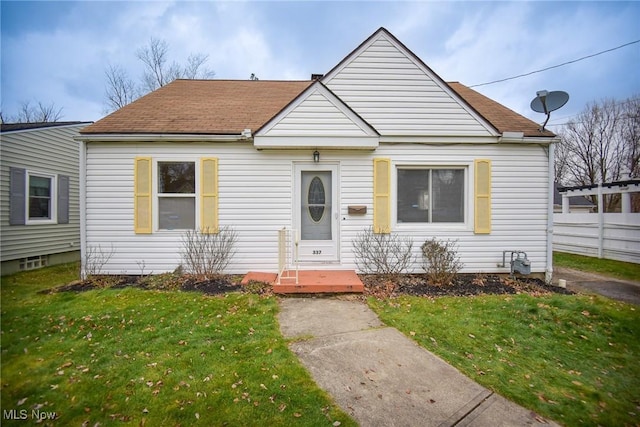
{"x": 316, "y": 206}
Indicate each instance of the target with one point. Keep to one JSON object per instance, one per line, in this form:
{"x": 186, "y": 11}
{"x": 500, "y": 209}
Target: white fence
{"x": 612, "y": 235}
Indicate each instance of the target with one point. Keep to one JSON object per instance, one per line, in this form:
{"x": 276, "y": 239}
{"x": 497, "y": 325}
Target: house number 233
{"x": 317, "y": 252}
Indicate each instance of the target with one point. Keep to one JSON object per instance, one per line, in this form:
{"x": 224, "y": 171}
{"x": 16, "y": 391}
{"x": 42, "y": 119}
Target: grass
{"x": 134, "y": 357}
{"x": 609, "y": 267}
{"x": 573, "y": 359}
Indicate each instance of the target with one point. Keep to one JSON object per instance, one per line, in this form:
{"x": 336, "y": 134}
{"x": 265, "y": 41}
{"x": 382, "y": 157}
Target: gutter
{"x": 159, "y": 137}
{"x": 518, "y": 137}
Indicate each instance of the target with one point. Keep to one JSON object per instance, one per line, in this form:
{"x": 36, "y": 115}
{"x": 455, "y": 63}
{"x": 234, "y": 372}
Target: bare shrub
{"x": 387, "y": 254}
{"x": 94, "y": 259}
{"x": 441, "y": 261}
{"x": 208, "y": 254}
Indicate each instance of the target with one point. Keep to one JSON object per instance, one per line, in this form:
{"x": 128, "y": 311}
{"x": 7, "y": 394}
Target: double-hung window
{"x": 40, "y": 197}
{"x": 176, "y": 195}
{"x": 430, "y": 195}
{"x": 37, "y": 197}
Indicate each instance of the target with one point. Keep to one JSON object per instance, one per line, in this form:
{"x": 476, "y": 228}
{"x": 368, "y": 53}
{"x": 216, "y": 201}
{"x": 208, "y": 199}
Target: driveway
{"x": 580, "y": 281}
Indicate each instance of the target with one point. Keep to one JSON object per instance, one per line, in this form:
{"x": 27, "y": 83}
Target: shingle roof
{"x": 202, "y": 107}
{"x": 502, "y": 118}
{"x": 227, "y": 107}
{"x": 12, "y": 127}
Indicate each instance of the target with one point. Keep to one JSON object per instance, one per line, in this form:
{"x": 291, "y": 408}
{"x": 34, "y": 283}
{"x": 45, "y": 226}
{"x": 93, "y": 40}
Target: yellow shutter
{"x": 482, "y": 223}
{"x": 382, "y": 195}
{"x": 209, "y": 195}
{"x": 142, "y": 222}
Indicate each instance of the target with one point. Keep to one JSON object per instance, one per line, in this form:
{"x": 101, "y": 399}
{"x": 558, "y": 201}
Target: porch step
{"x": 320, "y": 281}
{"x": 310, "y": 281}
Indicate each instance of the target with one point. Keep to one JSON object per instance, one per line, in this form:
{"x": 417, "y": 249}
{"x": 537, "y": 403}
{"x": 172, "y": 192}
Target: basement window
{"x": 33, "y": 262}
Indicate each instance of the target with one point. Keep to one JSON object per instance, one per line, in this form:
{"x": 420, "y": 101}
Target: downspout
{"x": 548, "y": 276}
{"x": 83, "y": 207}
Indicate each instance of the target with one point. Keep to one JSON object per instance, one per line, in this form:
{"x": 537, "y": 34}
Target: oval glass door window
{"x": 316, "y": 199}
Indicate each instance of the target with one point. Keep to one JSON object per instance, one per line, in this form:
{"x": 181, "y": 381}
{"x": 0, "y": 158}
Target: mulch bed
{"x": 215, "y": 286}
{"x": 375, "y": 285}
{"x": 463, "y": 285}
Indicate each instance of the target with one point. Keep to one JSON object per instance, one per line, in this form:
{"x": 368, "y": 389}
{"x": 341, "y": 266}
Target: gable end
{"x": 317, "y": 118}
{"x": 398, "y": 94}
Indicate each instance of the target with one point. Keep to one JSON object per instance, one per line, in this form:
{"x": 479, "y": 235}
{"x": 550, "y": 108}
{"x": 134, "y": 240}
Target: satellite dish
{"x": 545, "y": 102}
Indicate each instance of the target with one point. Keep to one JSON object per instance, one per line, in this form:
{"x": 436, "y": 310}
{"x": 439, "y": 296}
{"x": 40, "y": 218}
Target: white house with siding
{"x": 379, "y": 141}
{"x": 39, "y": 189}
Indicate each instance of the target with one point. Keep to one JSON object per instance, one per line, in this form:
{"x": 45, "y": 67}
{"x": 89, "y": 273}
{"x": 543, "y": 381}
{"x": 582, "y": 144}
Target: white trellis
{"x": 606, "y": 235}
{"x": 287, "y": 254}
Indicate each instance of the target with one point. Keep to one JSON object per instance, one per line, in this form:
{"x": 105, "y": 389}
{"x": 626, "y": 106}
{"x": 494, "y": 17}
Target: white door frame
{"x": 317, "y": 251}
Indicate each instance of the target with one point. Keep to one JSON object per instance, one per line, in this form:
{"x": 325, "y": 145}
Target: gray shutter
{"x": 63, "y": 199}
{"x": 17, "y": 194}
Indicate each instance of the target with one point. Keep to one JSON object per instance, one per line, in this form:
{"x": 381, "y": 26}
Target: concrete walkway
{"x": 382, "y": 378}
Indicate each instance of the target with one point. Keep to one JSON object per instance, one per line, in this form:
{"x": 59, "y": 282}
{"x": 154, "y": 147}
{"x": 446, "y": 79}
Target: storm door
{"x": 316, "y": 205}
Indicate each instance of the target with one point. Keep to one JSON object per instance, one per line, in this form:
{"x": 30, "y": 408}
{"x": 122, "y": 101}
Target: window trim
{"x": 53, "y": 198}
{"x": 465, "y": 225}
{"x": 156, "y": 195}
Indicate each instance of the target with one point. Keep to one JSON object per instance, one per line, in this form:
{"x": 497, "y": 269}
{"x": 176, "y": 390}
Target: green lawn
{"x": 573, "y": 359}
{"x": 608, "y": 267}
{"x": 137, "y": 357}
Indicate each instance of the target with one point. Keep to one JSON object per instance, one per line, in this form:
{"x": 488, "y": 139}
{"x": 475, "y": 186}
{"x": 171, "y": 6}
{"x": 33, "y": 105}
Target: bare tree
{"x": 195, "y": 68}
{"x": 29, "y": 113}
{"x": 600, "y": 144}
{"x": 158, "y": 71}
{"x": 561, "y": 163}
{"x": 631, "y": 135}
{"x": 121, "y": 90}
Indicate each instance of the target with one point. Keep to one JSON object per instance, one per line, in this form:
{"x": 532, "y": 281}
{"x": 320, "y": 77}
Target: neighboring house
{"x": 379, "y": 141}
{"x": 577, "y": 204}
{"x": 39, "y": 189}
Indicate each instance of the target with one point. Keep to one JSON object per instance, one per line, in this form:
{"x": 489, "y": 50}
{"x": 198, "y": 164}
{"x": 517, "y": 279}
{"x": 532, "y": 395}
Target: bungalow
{"x": 379, "y": 141}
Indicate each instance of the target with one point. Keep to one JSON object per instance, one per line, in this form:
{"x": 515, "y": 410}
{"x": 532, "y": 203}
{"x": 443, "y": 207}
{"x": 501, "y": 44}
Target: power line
{"x": 556, "y": 66}
{"x": 564, "y": 118}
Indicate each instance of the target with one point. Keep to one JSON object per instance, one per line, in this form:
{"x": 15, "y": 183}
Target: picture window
{"x": 431, "y": 195}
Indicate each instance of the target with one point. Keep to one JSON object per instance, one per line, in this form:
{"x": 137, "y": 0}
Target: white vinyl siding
{"x": 254, "y": 197}
{"x": 255, "y": 190}
{"x": 316, "y": 116}
{"x": 318, "y": 120}
{"x": 399, "y": 97}
{"x": 53, "y": 152}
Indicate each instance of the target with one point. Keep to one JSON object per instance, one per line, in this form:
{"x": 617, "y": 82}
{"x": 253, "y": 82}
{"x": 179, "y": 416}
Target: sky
{"x": 57, "y": 52}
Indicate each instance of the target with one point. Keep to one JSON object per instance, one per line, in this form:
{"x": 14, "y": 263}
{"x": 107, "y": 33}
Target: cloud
{"x": 61, "y": 58}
